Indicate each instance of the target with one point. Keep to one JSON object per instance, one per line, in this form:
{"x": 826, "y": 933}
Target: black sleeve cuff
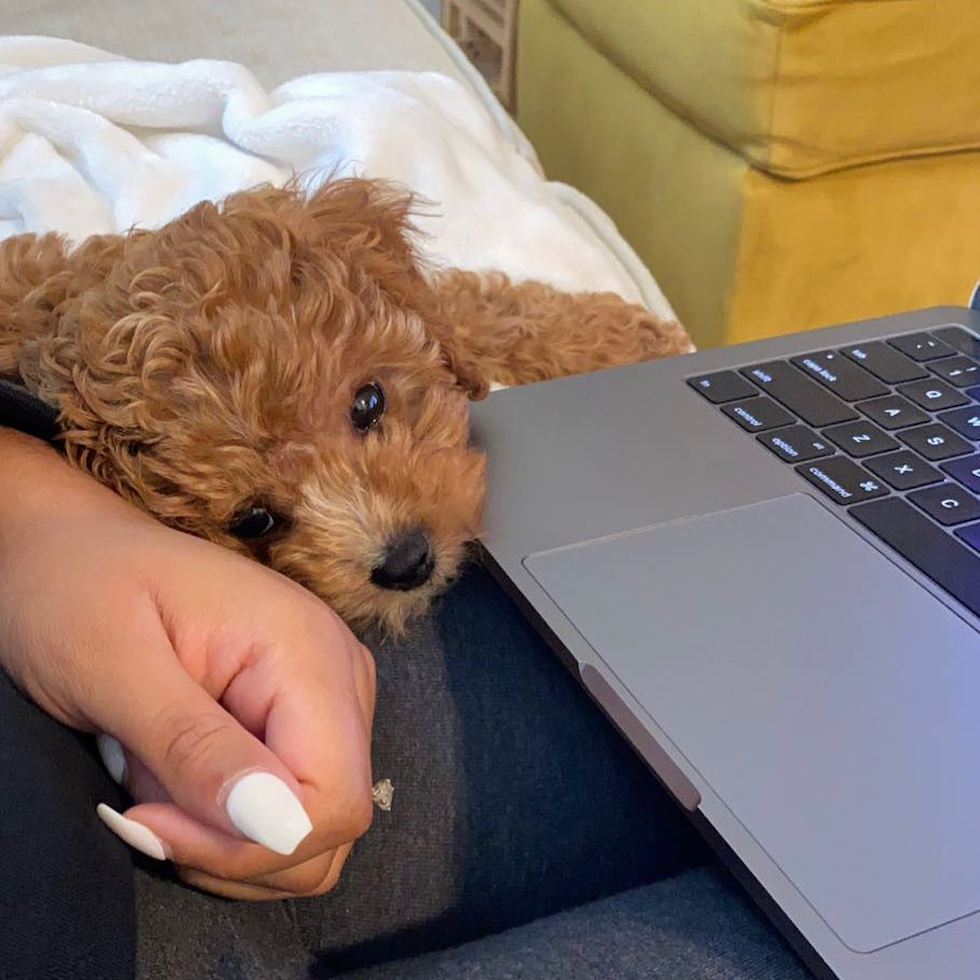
{"x": 21, "y": 410}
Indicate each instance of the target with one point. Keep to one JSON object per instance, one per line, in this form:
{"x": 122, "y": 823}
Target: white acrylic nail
{"x": 138, "y": 836}
{"x": 264, "y": 809}
{"x": 112, "y": 757}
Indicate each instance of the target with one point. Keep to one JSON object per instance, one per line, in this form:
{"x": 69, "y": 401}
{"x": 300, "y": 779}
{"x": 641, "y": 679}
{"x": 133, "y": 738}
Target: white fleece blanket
{"x": 91, "y": 142}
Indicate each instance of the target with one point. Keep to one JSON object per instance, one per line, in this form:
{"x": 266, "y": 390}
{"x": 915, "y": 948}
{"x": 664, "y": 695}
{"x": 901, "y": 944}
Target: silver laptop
{"x": 763, "y": 562}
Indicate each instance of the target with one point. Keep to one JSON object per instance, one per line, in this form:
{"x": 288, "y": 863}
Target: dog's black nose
{"x": 407, "y": 563}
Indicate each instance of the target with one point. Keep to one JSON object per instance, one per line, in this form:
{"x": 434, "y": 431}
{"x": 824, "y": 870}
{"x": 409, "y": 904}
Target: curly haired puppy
{"x": 278, "y": 375}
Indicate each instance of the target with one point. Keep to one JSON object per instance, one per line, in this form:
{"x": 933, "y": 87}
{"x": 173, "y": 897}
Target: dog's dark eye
{"x": 253, "y": 522}
{"x": 368, "y": 406}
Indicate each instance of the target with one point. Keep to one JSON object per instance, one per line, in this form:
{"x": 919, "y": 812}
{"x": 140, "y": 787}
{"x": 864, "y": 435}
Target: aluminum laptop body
{"x": 773, "y": 594}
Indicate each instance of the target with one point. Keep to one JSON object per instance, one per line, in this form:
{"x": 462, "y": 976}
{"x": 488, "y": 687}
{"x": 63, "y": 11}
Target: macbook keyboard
{"x": 889, "y": 430}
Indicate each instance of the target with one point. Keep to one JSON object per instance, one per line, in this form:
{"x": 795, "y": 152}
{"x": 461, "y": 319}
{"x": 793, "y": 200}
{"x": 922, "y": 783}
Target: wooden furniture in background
{"x": 470, "y": 21}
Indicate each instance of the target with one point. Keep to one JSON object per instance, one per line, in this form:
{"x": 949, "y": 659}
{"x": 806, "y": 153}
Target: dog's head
{"x": 274, "y": 374}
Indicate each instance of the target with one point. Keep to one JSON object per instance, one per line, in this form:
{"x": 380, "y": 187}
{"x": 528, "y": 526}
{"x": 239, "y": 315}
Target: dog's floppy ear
{"x": 375, "y": 218}
{"x": 464, "y": 362}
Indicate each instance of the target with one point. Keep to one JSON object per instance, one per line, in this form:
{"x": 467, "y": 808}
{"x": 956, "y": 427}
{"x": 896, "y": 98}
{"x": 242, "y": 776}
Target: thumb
{"x": 215, "y": 770}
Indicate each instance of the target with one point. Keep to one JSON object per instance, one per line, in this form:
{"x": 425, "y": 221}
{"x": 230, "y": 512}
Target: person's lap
{"x": 695, "y": 926}
{"x": 514, "y": 800}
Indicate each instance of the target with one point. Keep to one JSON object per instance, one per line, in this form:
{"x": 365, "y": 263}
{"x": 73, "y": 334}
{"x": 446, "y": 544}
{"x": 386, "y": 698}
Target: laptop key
{"x": 921, "y": 541}
{"x": 966, "y": 470}
{"x": 859, "y": 439}
{"x": 758, "y": 414}
{"x": 922, "y": 346}
{"x": 970, "y": 534}
{"x": 904, "y": 470}
{"x": 893, "y": 412}
{"x": 960, "y": 371}
{"x": 796, "y": 444}
{"x": 961, "y": 339}
{"x": 885, "y": 363}
{"x": 841, "y": 376}
{"x": 841, "y": 480}
{"x": 799, "y": 394}
{"x": 949, "y": 504}
{"x": 933, "y": 395}
{"x": 935, "y": 442}
{"x": 723, "y": 386}
{"x": 966, "y": 421}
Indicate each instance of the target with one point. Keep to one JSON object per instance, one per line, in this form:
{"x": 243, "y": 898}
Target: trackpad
{"x": 829, "y": 700}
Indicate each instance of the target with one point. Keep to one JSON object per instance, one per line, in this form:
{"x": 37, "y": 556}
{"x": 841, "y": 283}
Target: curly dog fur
{"x": 209, "y": 367}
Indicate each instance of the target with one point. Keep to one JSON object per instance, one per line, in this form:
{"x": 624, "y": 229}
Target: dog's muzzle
{"x": 408, "y": 562}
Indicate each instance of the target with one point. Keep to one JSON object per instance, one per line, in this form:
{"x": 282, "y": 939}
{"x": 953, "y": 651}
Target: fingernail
{"x": 265, "y": 809}
{"x": 135, "y": 834}
{"x": 112, "y": 757}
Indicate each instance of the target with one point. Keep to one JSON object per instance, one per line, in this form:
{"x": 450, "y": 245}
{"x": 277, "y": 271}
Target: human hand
{"x": 244, "y": 704}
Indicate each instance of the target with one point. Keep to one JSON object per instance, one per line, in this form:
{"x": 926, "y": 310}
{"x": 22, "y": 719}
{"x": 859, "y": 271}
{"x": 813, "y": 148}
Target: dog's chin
{"x": 395, "y": 612}
{"x": 369, "y": 608}
{"x": 392, "y": 612}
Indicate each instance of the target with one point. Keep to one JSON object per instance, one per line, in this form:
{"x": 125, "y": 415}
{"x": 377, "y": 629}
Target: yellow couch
{"x": 779, "y": 164}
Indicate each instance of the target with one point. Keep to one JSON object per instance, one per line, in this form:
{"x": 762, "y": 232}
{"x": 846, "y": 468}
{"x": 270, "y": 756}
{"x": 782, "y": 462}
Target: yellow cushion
{"x": 674, "y": 195}
{"x": 801, "y": 87}
{"x": 739, "y": 252}
{"x": 858, "y": 243}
